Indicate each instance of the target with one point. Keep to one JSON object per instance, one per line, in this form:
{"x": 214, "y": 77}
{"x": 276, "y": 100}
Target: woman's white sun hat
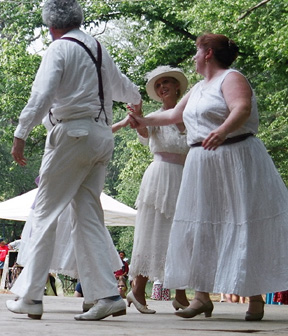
{"x": 165, "y": 71}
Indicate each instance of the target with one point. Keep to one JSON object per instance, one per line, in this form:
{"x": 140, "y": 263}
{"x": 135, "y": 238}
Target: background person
{"x": 78, "y": 149}
{"x": 122, "y": 287}
{"x": 3, "y": 253}
{"x": 78, "y": 290}
{"x": 231, "y": 219}
{"x": 122, "y": 274}
{"x": 15, "y": 245}
{"x": 159, "y": 189}
{"x": 281, "y": 297}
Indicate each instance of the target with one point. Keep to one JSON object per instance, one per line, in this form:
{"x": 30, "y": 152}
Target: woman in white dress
{"x": 159, "y": 189}
{"x": 230, "y": 229}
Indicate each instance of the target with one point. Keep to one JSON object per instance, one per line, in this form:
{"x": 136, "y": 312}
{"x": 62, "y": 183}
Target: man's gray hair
{"x": 61, "y": 14}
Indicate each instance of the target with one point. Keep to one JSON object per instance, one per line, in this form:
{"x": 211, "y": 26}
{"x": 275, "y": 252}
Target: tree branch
{"x": 149, "y": 16}
{"x": 174, "y": 27}
{"x": 250, "y": 10}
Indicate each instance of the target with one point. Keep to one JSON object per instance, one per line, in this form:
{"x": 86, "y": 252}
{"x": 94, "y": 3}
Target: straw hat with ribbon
{"x": 165, "y": 71}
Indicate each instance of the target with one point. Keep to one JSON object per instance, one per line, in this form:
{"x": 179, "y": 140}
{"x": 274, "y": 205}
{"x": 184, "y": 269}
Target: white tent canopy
{"x": 115, "y": 212}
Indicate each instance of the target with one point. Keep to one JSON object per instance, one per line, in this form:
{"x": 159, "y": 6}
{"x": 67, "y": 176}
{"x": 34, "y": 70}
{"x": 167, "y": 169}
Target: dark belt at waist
{"x": 228, "y": 141}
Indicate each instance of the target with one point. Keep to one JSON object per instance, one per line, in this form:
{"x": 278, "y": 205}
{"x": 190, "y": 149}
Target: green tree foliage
{"x": 17, "y": 72}
{"x": 123, "y": 238}
{"x": 168, "y": 29}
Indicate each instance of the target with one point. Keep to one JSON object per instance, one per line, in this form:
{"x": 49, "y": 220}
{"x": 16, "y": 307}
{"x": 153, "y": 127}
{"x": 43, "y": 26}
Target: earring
{"x": 206, "y": 61}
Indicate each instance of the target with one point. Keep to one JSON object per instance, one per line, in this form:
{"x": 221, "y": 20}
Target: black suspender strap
{"x": 98, "y": 65}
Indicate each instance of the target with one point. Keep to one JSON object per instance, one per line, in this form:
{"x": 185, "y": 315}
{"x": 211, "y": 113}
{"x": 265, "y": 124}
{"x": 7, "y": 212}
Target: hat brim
{"x": 174, "y": 74}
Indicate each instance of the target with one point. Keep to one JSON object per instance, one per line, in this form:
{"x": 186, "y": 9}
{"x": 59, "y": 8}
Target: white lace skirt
{"x": 230, "y": 231}
{"x": 156, "y": 206}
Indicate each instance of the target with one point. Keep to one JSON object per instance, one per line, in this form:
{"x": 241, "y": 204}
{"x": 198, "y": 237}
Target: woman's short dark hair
{"x": 225, "y": 50}
{"x": 61, "y": 14}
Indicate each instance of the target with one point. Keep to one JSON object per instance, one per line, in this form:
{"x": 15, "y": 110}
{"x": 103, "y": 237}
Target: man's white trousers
{"x": 73, "y": 170}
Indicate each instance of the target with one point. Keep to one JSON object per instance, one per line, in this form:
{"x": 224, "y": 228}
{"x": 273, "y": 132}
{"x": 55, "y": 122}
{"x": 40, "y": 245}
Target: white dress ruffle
{"x": 156, "y": 206}
{"x": 156, "y": 203}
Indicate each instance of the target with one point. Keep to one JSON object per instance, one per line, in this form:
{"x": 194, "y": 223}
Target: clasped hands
{"x": 212, "y": 142}
{"x": 135, "y": 117}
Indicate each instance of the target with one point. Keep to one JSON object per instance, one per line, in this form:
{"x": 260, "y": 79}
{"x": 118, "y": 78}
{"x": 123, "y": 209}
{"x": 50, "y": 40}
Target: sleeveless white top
{"x": 206, "y": 110}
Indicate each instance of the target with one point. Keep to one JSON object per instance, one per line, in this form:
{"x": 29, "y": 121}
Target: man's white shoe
{"x": 103, "y": 308}
{"x": 86, "y": 306}
{"x": 19, "y": 306}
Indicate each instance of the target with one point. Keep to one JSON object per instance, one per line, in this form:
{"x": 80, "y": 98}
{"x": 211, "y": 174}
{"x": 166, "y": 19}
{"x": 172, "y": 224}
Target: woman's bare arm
{"x": 171, "y": 116}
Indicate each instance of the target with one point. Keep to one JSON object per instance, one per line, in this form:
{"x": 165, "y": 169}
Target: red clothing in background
{"x": 3, "y": 252}
{"x": 123, "y": 270}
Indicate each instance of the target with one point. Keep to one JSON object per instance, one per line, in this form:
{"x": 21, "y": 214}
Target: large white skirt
{"x": 155, "y": 210}
{"x": 230, "y": 230}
